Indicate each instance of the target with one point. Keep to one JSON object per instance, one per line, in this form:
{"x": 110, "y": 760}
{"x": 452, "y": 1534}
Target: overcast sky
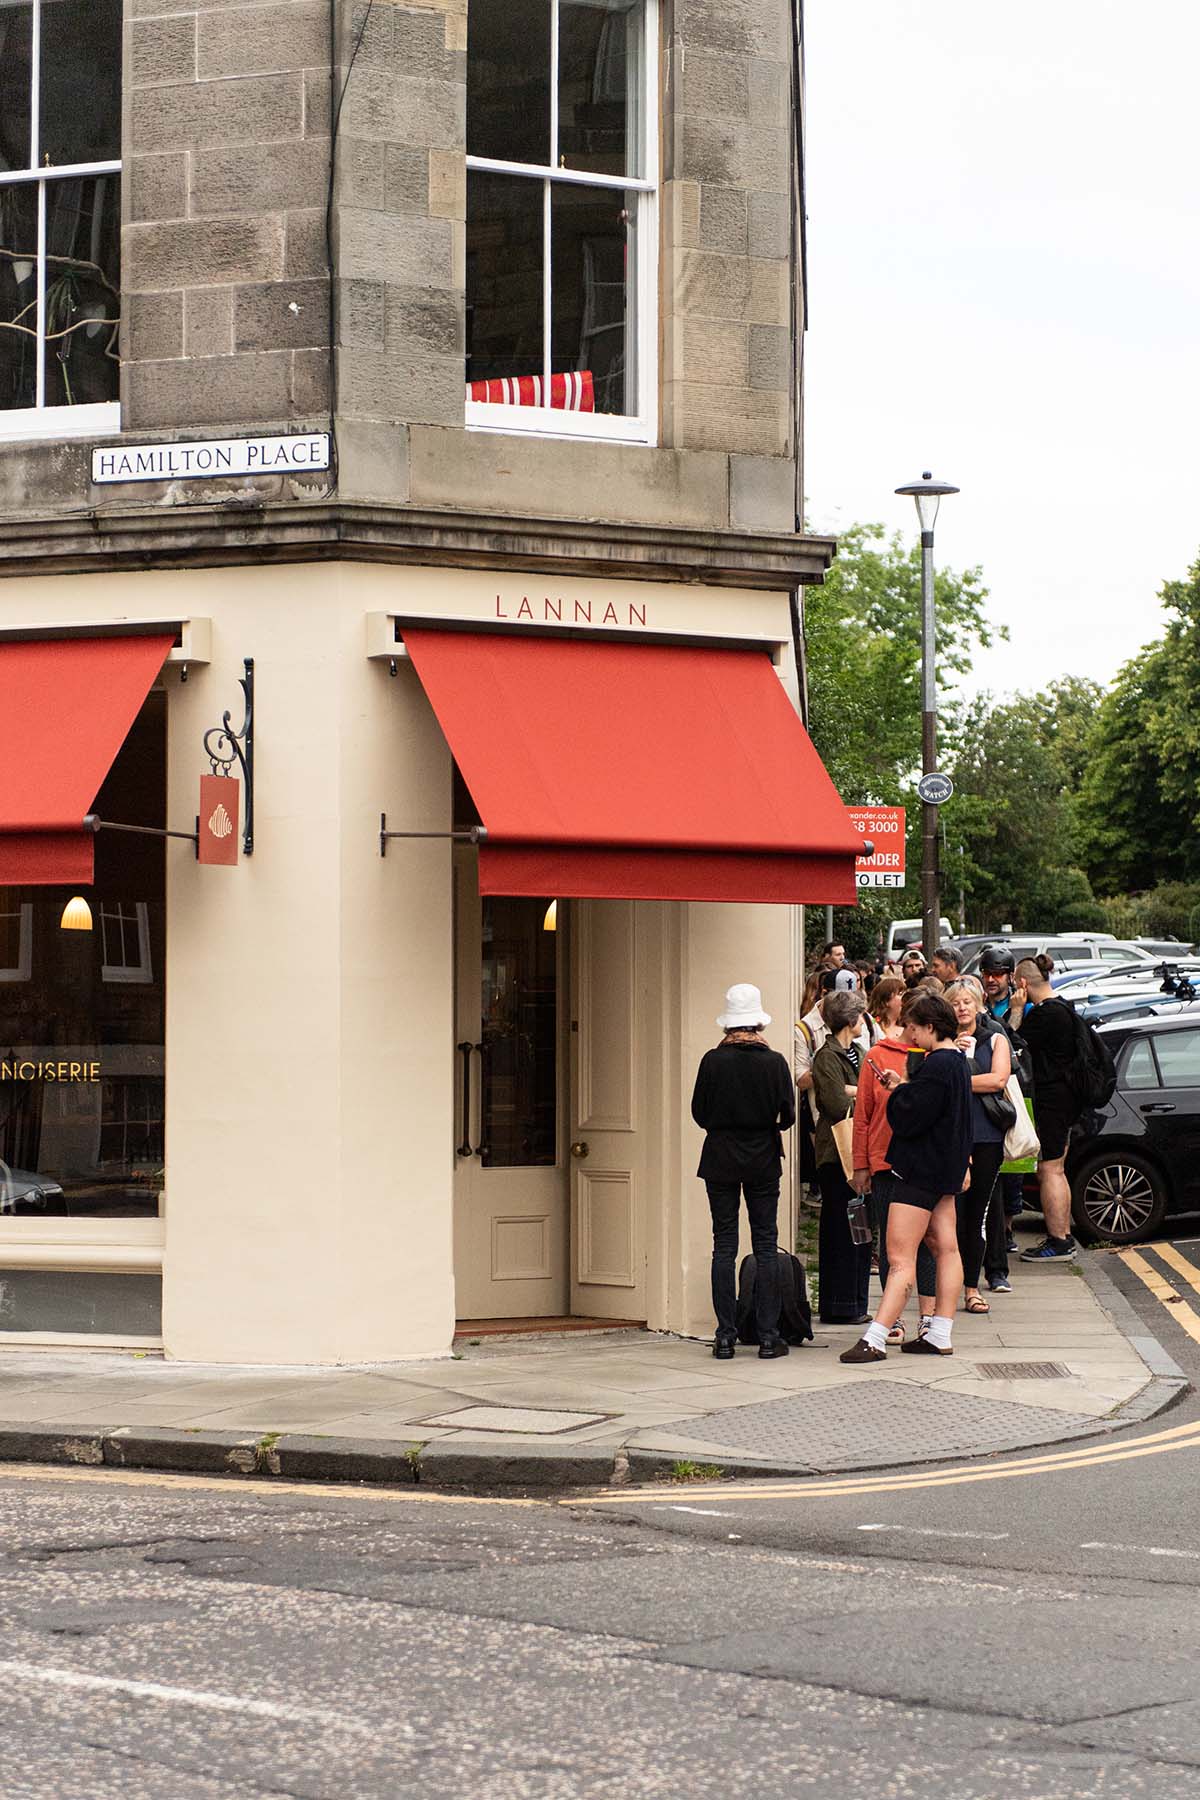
{"x": 1004, "y": 272}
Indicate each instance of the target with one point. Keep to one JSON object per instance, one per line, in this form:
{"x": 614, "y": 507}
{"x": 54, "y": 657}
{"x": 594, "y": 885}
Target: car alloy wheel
{"x": 1119, "y": 1198}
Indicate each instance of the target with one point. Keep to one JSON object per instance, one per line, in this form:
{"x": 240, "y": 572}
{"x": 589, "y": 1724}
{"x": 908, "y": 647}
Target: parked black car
{"x": 1141, "y": 1160}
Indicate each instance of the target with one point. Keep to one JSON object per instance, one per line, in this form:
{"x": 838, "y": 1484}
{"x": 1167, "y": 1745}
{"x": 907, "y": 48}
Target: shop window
{"x": 82, "y": 1034}
{"x": 60, "y": 222}
{"x": 561, "y": 217}
{"x": 519, "y": 1052}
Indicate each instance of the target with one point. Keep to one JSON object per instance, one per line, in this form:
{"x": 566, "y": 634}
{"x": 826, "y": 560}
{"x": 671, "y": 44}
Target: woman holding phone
{"x": 845, "y": 1267}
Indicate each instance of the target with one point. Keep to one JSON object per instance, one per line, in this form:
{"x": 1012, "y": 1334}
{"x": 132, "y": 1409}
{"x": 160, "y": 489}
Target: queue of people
{"x": 902, "y": 1087}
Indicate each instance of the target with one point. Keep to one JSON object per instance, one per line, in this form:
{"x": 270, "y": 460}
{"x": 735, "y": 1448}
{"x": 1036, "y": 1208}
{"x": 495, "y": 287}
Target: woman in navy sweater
{"x": 930, "y": 1117}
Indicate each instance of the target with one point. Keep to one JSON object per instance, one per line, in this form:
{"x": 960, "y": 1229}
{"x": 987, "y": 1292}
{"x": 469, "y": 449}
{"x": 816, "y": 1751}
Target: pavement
{"x": 1064, "y": 1356}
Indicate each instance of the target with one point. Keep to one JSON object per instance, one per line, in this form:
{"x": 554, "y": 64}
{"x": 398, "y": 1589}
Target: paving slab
{"x": 635, "y": 1400}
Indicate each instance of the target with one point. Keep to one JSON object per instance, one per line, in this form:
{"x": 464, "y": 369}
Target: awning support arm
{"x": 94, "y": 824}
{"x": 475, "y": 834}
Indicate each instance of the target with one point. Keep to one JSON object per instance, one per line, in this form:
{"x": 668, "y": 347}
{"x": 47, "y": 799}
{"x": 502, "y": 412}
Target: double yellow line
{"x": 1184, "y": 1315}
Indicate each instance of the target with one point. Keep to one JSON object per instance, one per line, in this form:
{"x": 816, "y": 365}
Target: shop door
{"x": 510, "y": 1196}
{"x": 609, "y": 1095}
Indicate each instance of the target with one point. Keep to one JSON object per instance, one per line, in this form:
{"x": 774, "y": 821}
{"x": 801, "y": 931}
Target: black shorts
{"x": 1054, "y": 1118}
{"x": 905, "y": 1194}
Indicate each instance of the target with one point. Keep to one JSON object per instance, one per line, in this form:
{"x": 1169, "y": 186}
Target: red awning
{"x": 640, "y": 771}
{"x": 65, "y": 709}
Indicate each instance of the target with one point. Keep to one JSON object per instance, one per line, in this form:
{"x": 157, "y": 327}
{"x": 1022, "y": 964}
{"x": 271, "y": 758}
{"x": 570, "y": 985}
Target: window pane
{"x": 520, "y": 1036}
{"x": 1139, "y": 1071}
{"x": 508, "y": 80}
{"x": 18, "y": 295}
{"x": 504, "y": 277}
{"x": 599, "y": 81}
{"x": 83, "y": 285}
{"x": 81, "y": 1041}
{"x": 80, "y": 81}
{"x": 16, "y": 85}
{"x": 591, "y": 246}
{"x": 1179, "y": 1058}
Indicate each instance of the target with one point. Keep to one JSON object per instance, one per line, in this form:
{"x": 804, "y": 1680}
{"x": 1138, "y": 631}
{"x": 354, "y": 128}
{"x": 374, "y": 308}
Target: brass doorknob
{"x": 579, "y": 1150}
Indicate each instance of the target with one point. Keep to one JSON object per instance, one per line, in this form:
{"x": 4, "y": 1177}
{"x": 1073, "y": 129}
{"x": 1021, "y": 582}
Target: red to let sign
{"x": 220, "y": 799}
{"x": 884, "y": 826}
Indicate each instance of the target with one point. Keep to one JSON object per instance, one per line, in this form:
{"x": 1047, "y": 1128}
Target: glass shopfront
{"x": 82, "y": 1013}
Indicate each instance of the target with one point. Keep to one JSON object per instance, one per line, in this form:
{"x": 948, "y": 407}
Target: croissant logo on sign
{"x": 218, "y": 820}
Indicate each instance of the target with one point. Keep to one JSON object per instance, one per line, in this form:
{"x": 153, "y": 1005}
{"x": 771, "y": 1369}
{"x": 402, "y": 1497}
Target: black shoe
{"x": 772, "y": 1348}
{"x": 724, "y": 1345}
{"x": 1011, "y": 1244}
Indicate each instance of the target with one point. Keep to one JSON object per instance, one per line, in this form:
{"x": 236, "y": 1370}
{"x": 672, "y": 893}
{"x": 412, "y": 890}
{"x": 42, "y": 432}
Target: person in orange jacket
{"x": 872, "y": 1171}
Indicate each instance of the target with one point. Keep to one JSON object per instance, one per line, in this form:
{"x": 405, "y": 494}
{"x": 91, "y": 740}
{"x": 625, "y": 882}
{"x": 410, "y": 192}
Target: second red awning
{"x": 638, "y": 771}
{"x": 66, "y": 707}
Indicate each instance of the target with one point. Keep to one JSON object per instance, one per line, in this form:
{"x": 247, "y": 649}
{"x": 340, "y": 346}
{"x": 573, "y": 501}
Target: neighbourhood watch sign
{"x": 212, "y": 457}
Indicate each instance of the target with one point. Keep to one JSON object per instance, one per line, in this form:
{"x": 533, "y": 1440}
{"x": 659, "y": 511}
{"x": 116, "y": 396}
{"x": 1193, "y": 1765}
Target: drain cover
{"x": 1023, "y": 1371}
{"x": 530, "y": 1421}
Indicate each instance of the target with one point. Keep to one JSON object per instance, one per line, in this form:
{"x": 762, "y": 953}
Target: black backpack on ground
{"x": 1093, "y": 1076}
{"x": 795, "y": 1314}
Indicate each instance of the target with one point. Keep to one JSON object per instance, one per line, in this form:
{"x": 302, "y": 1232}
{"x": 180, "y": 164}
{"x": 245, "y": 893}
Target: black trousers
{"x": 883, "y": 1186}
{"x": 844, "y": 1266}
{"x": 972, "y": 1209}
{"x": 762, "y": 1208}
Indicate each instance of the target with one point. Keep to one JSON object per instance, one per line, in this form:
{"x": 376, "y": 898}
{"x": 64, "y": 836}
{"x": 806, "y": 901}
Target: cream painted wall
{"x": 310, "y": 1074}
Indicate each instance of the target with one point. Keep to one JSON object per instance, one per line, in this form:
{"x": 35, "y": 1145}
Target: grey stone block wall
{"x": 226, "y": 308}
{"x": 226, "y": 135}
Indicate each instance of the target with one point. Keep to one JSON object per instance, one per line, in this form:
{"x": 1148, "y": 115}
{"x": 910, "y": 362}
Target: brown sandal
{"x": 975, "y": 1303}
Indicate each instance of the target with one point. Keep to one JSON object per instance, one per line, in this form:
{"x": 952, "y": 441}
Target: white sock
{"x": 939, "y": 1331}
{"x": 876, "y": 1335}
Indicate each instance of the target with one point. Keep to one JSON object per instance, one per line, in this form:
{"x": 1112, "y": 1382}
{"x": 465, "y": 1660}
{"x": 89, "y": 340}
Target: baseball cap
{"x": 839, "y": 981}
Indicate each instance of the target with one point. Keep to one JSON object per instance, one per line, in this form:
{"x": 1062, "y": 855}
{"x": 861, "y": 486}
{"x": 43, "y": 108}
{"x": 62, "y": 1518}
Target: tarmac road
{"x": 1021, "y": 1626}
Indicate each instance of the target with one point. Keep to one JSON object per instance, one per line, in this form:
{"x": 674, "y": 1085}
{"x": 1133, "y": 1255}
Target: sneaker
{"x": 921, "y": 1346}
{"x": 863, "y": 1352}
{"x": 1051, "y": 1250}
{"x": 772, "y": 1348}
{"x": 724, "y": 1345}
{"x": 897, "y": 1334}
{"x": 1001, "y": 1285}
{"x": 923, "y": 1324}
{"x": 1010, "y": 1244}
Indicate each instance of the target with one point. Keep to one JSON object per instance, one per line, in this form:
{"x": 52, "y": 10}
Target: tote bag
{"x": 843, "y": 1137}
{"x": 1021, "y": 1141}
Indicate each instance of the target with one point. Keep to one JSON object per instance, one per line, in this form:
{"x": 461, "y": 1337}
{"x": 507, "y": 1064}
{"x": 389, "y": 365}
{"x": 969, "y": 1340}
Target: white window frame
{"x": 141, "y": 970}
{"x": 93, "y": 419}
{"x": 22, "y": 969}
{"x": 553, "y": 421}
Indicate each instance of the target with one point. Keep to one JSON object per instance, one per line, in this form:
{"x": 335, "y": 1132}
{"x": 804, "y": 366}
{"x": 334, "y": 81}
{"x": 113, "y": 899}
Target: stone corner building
{"x": 440, "y": 360}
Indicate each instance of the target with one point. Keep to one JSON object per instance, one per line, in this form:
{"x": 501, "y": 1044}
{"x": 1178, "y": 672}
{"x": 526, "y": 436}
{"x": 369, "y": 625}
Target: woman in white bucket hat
{"x": 744, "y": 1099}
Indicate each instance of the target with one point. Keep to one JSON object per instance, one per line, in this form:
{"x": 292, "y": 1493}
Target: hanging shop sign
{"x": 883, "y": 827}
{"x": 208, "y": 457}
{"x": 220, "y": 805}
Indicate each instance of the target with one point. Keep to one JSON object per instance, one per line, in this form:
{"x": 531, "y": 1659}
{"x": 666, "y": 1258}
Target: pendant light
{"x": 77, "y": 915}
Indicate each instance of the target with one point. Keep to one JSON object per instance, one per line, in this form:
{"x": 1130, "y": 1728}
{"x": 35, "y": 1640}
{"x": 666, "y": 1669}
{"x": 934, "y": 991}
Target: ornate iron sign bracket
{"x": 223, "y": 746}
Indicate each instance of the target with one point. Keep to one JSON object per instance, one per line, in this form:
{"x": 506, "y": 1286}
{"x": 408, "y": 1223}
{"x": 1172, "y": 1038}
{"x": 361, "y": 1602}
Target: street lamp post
{"x": 928, "y": 494}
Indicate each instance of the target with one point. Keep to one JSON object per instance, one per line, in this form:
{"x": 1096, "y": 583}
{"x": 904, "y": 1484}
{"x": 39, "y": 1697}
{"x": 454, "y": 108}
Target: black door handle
{"x": 1157, "y": 1106}
{"x": 466, "y": 1051}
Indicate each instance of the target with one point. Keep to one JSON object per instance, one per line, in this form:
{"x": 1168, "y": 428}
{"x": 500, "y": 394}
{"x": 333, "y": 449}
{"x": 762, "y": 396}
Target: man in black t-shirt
{"x": 1047, "y": 1027}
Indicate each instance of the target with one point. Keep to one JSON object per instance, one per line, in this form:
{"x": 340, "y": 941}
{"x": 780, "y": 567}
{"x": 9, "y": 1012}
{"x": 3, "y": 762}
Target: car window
{"x": 1073, "y": 952}
{"x": 1116, "y": 955}
{"x": 1139, "y": 1070}
{"x": 1179, "y": 1058}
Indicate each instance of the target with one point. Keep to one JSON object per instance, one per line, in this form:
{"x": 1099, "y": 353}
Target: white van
{"x": 902, "y": 933}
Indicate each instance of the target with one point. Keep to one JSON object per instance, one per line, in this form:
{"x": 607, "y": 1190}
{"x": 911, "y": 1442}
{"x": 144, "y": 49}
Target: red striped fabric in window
{"x": 572, "y": 392}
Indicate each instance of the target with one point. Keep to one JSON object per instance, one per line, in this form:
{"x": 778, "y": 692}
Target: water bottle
{"x": 860, "y": 1225}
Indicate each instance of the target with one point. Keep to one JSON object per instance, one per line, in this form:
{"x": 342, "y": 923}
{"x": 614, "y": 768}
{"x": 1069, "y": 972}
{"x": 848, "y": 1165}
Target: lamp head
{"x": 928, "y": 495}
{"x": 77, "y": 915}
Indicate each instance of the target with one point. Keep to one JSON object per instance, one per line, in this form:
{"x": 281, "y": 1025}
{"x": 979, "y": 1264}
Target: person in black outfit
{"x": 930, "y": 1117}
{"x": 845, "y": 1267}
{"x": 1047, "y": 1027}
{"x": 744, "y": 1100}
